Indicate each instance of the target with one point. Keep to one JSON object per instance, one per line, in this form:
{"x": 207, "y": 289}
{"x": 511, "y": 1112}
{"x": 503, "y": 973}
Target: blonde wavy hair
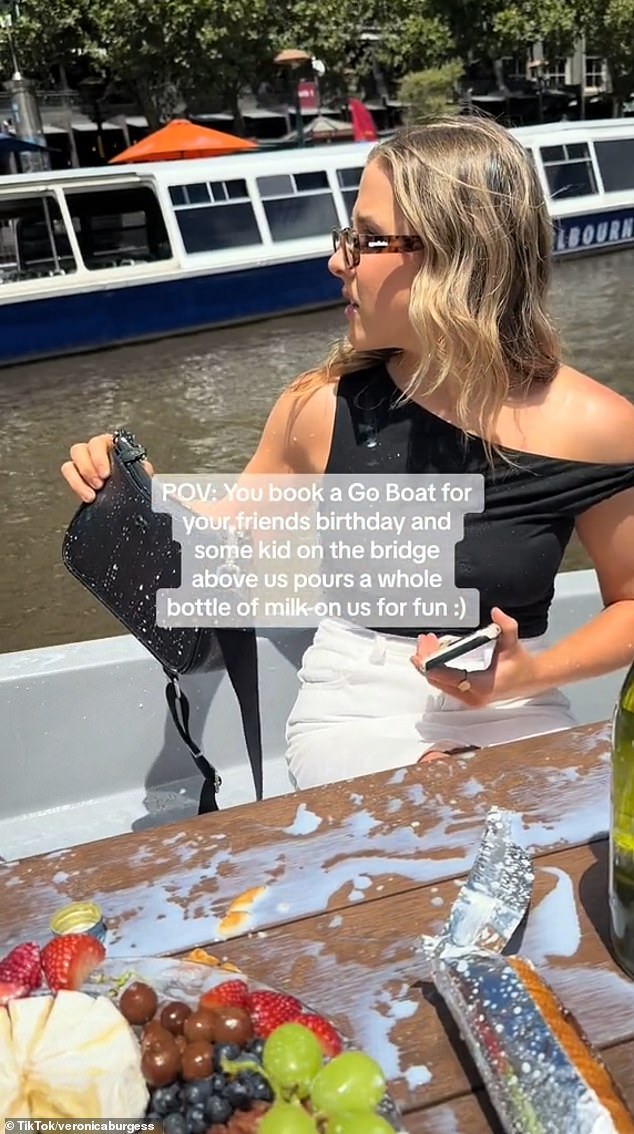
{"x": 477, "y": 304}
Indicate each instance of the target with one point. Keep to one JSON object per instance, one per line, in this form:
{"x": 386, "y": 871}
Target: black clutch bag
{"x": 123, "y": 553}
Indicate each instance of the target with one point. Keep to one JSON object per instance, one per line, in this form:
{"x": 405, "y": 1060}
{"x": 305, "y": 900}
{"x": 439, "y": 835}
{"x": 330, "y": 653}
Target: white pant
{"x": 362, "y": 707}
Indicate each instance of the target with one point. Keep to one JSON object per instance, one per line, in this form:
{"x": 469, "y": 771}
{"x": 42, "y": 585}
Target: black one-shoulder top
{"x": 512, "y": 551}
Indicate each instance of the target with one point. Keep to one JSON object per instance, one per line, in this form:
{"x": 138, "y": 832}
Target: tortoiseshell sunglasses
{"x": 353, "y": 243}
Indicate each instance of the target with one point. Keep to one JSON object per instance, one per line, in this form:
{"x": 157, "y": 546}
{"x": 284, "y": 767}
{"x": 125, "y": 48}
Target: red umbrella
{"x": 182, "y": 139}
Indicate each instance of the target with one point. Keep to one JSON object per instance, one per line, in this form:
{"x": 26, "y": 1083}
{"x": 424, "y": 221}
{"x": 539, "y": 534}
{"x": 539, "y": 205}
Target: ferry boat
{"x": 91, "y": 258}
{"x": 91, "y": 750}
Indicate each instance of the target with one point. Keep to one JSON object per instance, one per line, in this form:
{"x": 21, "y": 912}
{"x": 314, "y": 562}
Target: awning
{"x": 261, "y": 112}
{"x": 84, "y": 127}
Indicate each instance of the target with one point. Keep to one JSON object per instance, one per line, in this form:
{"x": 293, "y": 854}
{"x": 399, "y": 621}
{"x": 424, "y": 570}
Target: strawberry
{"x": 67, "y": 961}
{"x": 233, "y": 993}
{"x": 12, "y": 990}
{"x": 270, "y": 1009}
{"x": 323, "y": 1029}
{"x": 22, "y": 966}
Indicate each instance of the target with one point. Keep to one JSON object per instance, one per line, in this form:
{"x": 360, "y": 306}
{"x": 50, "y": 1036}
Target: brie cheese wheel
{"x": 69, "y": 1056}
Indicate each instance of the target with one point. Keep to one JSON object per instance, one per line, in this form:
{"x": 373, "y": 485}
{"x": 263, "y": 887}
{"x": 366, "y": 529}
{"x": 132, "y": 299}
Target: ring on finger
{"x": 465, "y": 685}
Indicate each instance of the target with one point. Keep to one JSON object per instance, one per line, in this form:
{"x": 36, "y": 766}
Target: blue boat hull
{"x": 95, "y": 319}
{"x": 594, "y": 232}
{"x": 91, "y": 320}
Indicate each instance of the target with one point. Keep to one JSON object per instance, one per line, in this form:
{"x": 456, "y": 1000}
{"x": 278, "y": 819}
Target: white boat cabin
{"x": 215, "y": 214}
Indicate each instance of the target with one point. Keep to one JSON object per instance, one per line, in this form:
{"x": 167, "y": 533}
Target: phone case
{"x": 462, "y": 646}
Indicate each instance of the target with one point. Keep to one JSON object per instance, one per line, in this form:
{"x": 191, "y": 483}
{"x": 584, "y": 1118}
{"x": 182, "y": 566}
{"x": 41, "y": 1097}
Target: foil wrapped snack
{"x": 495, "y": 897}
{"x": 540, "y": 1071}
{"x": 538, "y": 1068}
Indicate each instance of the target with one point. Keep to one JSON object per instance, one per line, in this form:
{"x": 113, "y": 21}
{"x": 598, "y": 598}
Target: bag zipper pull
{"x": 127, "y": 446}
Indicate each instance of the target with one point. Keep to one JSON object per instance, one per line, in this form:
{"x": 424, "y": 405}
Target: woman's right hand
{"x": 89, "y": 466}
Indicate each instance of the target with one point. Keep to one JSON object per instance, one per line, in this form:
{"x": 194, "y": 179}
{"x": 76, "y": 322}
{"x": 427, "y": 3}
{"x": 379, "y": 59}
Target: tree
{"x": 610, "y": 31}
{"x": 431, "y": 92}
{"x": 357, "y": 37}
{"x": 235, "y": 44}
{"x": 210, "y": 49}
{"x": 177, "y": 53}
{"x": 57, "y": 32}
{"x": 414, "y": 38}
{"x": 490, "y": 29}
{"x": 493, "y": 27}
{"x": 148, "y": 45}
{"x": 551, "y": 22}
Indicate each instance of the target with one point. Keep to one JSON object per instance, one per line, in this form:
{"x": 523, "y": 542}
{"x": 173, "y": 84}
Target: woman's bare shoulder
{"x": 311, "y": 415}
{"x": 298, "y": 432}
{"x": 601, "y": 419}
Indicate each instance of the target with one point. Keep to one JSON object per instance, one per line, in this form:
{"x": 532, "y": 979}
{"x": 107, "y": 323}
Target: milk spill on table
{"x": 189, "y": 902}
{"x": 553, "y": 928}
{"x": 304, "y": 823}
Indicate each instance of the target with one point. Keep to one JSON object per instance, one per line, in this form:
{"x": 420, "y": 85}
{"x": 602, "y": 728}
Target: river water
{"x": 198, "y": 403}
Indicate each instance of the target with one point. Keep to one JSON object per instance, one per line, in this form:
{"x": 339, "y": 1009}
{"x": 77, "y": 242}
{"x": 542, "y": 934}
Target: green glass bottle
{"x": 622, "y": 828}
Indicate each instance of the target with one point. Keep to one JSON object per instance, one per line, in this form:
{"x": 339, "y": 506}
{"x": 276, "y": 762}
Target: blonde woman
{"x": 451, "y": 366}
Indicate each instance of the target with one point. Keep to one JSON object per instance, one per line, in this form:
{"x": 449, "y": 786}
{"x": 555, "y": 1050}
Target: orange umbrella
{"x": 182, "y": 139}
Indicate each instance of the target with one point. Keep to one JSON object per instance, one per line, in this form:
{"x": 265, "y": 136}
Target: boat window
{"x": 278, "y": 185}
{"x": 577, "y": 150}
{"x": 195, "y": 194}
{"x": 225, "y": 219}
{"x": 229, "y": 190}
{"x": 119, "y": 227}
{"x": 198, "y": 194}
{"x": 232, "y": 225}
{"x": 236, "y": 189}
{"x": 616, "y": 162}
{"x": 569, "y": 170}
{"x": 349, "y": 183}
{"x": 350, "y": 178}
{"x": 298, "y": 204}
{"x": 33, "y": 239}
{"x": 318, "y": 179}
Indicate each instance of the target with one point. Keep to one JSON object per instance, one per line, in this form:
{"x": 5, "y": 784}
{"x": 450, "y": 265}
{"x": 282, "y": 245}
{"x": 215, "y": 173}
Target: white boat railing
{"x": 89, "y": 750}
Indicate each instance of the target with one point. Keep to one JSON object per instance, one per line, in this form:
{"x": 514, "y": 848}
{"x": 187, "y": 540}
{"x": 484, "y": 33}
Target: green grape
{"x": 358, "y": 1122}
{"x": 286, "y": 1118}
{"x": 292, "y": 1056}
{"x": 351, "y": 1081}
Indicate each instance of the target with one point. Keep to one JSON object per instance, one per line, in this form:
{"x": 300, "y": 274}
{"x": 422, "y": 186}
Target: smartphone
{"x": 459, "y": 646}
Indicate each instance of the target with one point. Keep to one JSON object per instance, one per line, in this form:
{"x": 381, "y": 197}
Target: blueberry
{"x": 175, "y": 1095}
{"x": 158, "y": 1102}
{"x": 218, "y": 1109}
{"x": 175, "y": 1124}
{"x": 247, "y": 1078}
{"x": 259, "y": 1088}
{"x": 195, "y": 1119}
{"x": 225, "y": 1051}
{"x": 196, "y": 1092}
{"x": 256, "y": 1047}
{"x": 166, "y": 1099}
{"x": 238, "y": 1095}
{"x": 216, "y": 1083}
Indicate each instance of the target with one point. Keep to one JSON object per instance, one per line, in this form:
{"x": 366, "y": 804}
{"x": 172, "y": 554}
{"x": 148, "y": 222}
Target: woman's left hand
{"x": 512, "y": 672}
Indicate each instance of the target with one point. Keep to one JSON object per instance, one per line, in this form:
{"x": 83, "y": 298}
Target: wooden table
{"x": 351, "y": 875}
